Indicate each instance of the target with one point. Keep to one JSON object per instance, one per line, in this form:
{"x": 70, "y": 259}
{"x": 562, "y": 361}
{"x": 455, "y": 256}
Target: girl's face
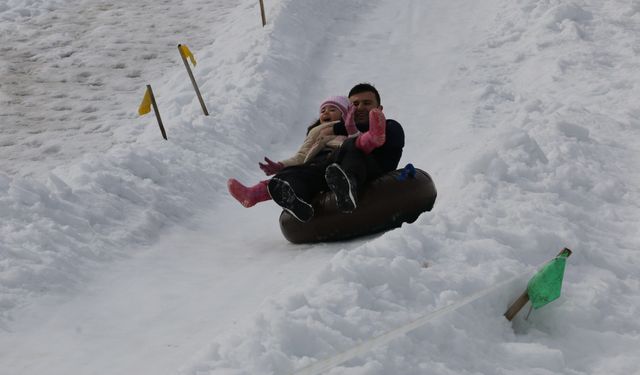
{"x": 330, "y": 113}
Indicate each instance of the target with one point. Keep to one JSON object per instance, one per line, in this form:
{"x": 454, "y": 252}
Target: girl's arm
{"x": 313, "y": 136}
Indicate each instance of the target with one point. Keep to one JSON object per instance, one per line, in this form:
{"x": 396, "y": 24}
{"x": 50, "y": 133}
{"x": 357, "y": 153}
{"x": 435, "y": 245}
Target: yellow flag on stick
{"x": 145, "y": 106}
{"x": 186, "y": 53}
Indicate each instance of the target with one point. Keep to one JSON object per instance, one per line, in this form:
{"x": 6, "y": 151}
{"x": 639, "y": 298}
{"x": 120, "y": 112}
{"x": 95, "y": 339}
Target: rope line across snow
{"x": 329, "y": 363}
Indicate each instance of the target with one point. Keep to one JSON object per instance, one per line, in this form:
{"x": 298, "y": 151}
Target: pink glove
{"x": 349, "y": 122}
{"x": 270, "y": 167}
{"x": 376, "y": 135}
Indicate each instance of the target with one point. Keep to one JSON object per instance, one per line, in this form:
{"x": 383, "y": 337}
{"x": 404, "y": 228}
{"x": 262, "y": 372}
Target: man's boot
{"x": 342, "y": 186}
{"x": 282, "y": 193}
{"x": 248, "y": 196}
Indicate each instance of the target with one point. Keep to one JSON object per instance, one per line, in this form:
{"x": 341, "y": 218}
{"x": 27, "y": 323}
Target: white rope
{"x": 329, "y": 363}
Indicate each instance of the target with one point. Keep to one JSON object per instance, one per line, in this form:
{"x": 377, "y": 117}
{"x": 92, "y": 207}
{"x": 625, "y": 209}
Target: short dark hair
{"x": 365, "y": 87}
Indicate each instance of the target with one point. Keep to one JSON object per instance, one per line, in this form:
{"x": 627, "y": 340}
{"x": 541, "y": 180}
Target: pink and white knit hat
{"x": 340, "y": 102}
{"x": 343, "y": 104}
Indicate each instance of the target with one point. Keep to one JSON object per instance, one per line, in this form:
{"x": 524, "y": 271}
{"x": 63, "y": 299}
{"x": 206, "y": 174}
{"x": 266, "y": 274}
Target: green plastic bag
{"x": 545, "y": 285}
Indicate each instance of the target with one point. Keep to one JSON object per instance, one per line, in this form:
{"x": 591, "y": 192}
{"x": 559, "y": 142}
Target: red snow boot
{"x": 248, "y": 196}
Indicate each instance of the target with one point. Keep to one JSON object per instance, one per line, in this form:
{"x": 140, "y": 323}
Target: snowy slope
{"x": 115, "y": 185}
{"x": 523, "y": 112}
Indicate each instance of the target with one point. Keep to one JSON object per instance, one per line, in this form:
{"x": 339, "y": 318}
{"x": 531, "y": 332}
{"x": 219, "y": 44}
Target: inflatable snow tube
{"x": 385, "y": 204}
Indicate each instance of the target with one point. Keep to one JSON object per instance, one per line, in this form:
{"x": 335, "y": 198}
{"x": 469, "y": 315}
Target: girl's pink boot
{"x": 248, "y": 196}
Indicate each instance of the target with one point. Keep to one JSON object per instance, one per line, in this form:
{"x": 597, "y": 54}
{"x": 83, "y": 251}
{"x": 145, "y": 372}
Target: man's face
{"x": 364, "y": 102}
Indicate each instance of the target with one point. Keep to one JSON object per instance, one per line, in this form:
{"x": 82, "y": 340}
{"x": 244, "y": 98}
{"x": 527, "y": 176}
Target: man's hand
{"x": 326, "y": 132}
{"x": 332, "y": 141}
{"x": 270, "y": 167}
{"x": 317, "y": 147}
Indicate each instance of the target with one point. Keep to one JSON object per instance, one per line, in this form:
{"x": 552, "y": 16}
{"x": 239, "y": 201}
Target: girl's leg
{"x": 248, "y": 196}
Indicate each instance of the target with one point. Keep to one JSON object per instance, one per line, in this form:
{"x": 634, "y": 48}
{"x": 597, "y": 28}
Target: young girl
{"x": 332, "y": 110}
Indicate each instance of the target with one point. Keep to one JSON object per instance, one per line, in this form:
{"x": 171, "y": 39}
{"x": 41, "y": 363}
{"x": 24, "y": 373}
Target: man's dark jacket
{"x": 388, "y": 155}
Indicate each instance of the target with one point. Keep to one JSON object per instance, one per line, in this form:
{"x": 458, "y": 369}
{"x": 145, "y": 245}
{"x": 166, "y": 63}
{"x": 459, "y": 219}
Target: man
{"x": 375, "y": 150}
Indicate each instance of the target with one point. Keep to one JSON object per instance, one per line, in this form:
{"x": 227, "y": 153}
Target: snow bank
{"x": 60, "y": 224}
{"x": 549, "y": 160}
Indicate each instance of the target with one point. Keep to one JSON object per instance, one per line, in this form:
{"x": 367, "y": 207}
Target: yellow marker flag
{"x": 186, "y": 53}
{"x": 145, "y": 106}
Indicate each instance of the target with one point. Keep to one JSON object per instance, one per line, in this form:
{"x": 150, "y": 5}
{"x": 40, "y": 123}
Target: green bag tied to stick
{"x": 545, "y": 285}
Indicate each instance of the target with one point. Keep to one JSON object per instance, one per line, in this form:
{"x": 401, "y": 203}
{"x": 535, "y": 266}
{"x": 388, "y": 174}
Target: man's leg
{"x": 293, "y": 189}
{"x": 351, "y": 170}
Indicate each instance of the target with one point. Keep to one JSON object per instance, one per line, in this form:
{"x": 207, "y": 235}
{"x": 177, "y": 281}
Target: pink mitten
{"x": 349, "y": 122}
{"x": 375, "y": 137}
{"x": 270, "y": 167}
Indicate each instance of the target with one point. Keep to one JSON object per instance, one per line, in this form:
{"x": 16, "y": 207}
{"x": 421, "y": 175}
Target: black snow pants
{"x": 307, "y": 180}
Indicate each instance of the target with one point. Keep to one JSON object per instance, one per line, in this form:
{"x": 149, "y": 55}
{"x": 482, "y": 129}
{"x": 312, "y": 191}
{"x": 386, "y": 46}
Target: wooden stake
{"x": 155, "y": 110}
{"x": 264, "y": 18}
{"x": 193, "y": 82}
{"x": 517, "y": 306}
{"x": 524, "y": 297}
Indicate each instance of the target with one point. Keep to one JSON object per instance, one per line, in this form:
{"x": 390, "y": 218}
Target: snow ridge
{"x": 92, "y": 210}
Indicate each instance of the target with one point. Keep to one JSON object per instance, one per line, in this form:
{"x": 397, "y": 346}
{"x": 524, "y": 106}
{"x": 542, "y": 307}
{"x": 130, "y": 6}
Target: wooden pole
{"x": 193, "y": 81}
{"x": 524, "y": 297}
{"x": 155, "y": 110}
{"x": 517, "y": 306}
{"x": 264, "y": 18}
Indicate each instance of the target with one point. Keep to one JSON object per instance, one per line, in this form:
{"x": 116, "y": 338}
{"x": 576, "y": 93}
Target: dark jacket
{"x": 388, "y": 155}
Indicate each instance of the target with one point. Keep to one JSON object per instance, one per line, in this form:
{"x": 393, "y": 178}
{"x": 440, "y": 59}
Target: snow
{"x": 122, "y": 253}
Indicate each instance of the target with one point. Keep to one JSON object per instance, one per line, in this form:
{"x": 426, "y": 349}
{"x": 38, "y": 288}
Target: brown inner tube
{"x": 385, "y": 204}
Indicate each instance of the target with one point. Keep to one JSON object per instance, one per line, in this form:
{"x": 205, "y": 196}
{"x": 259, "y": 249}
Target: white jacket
{"x": 313, "y": 143}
